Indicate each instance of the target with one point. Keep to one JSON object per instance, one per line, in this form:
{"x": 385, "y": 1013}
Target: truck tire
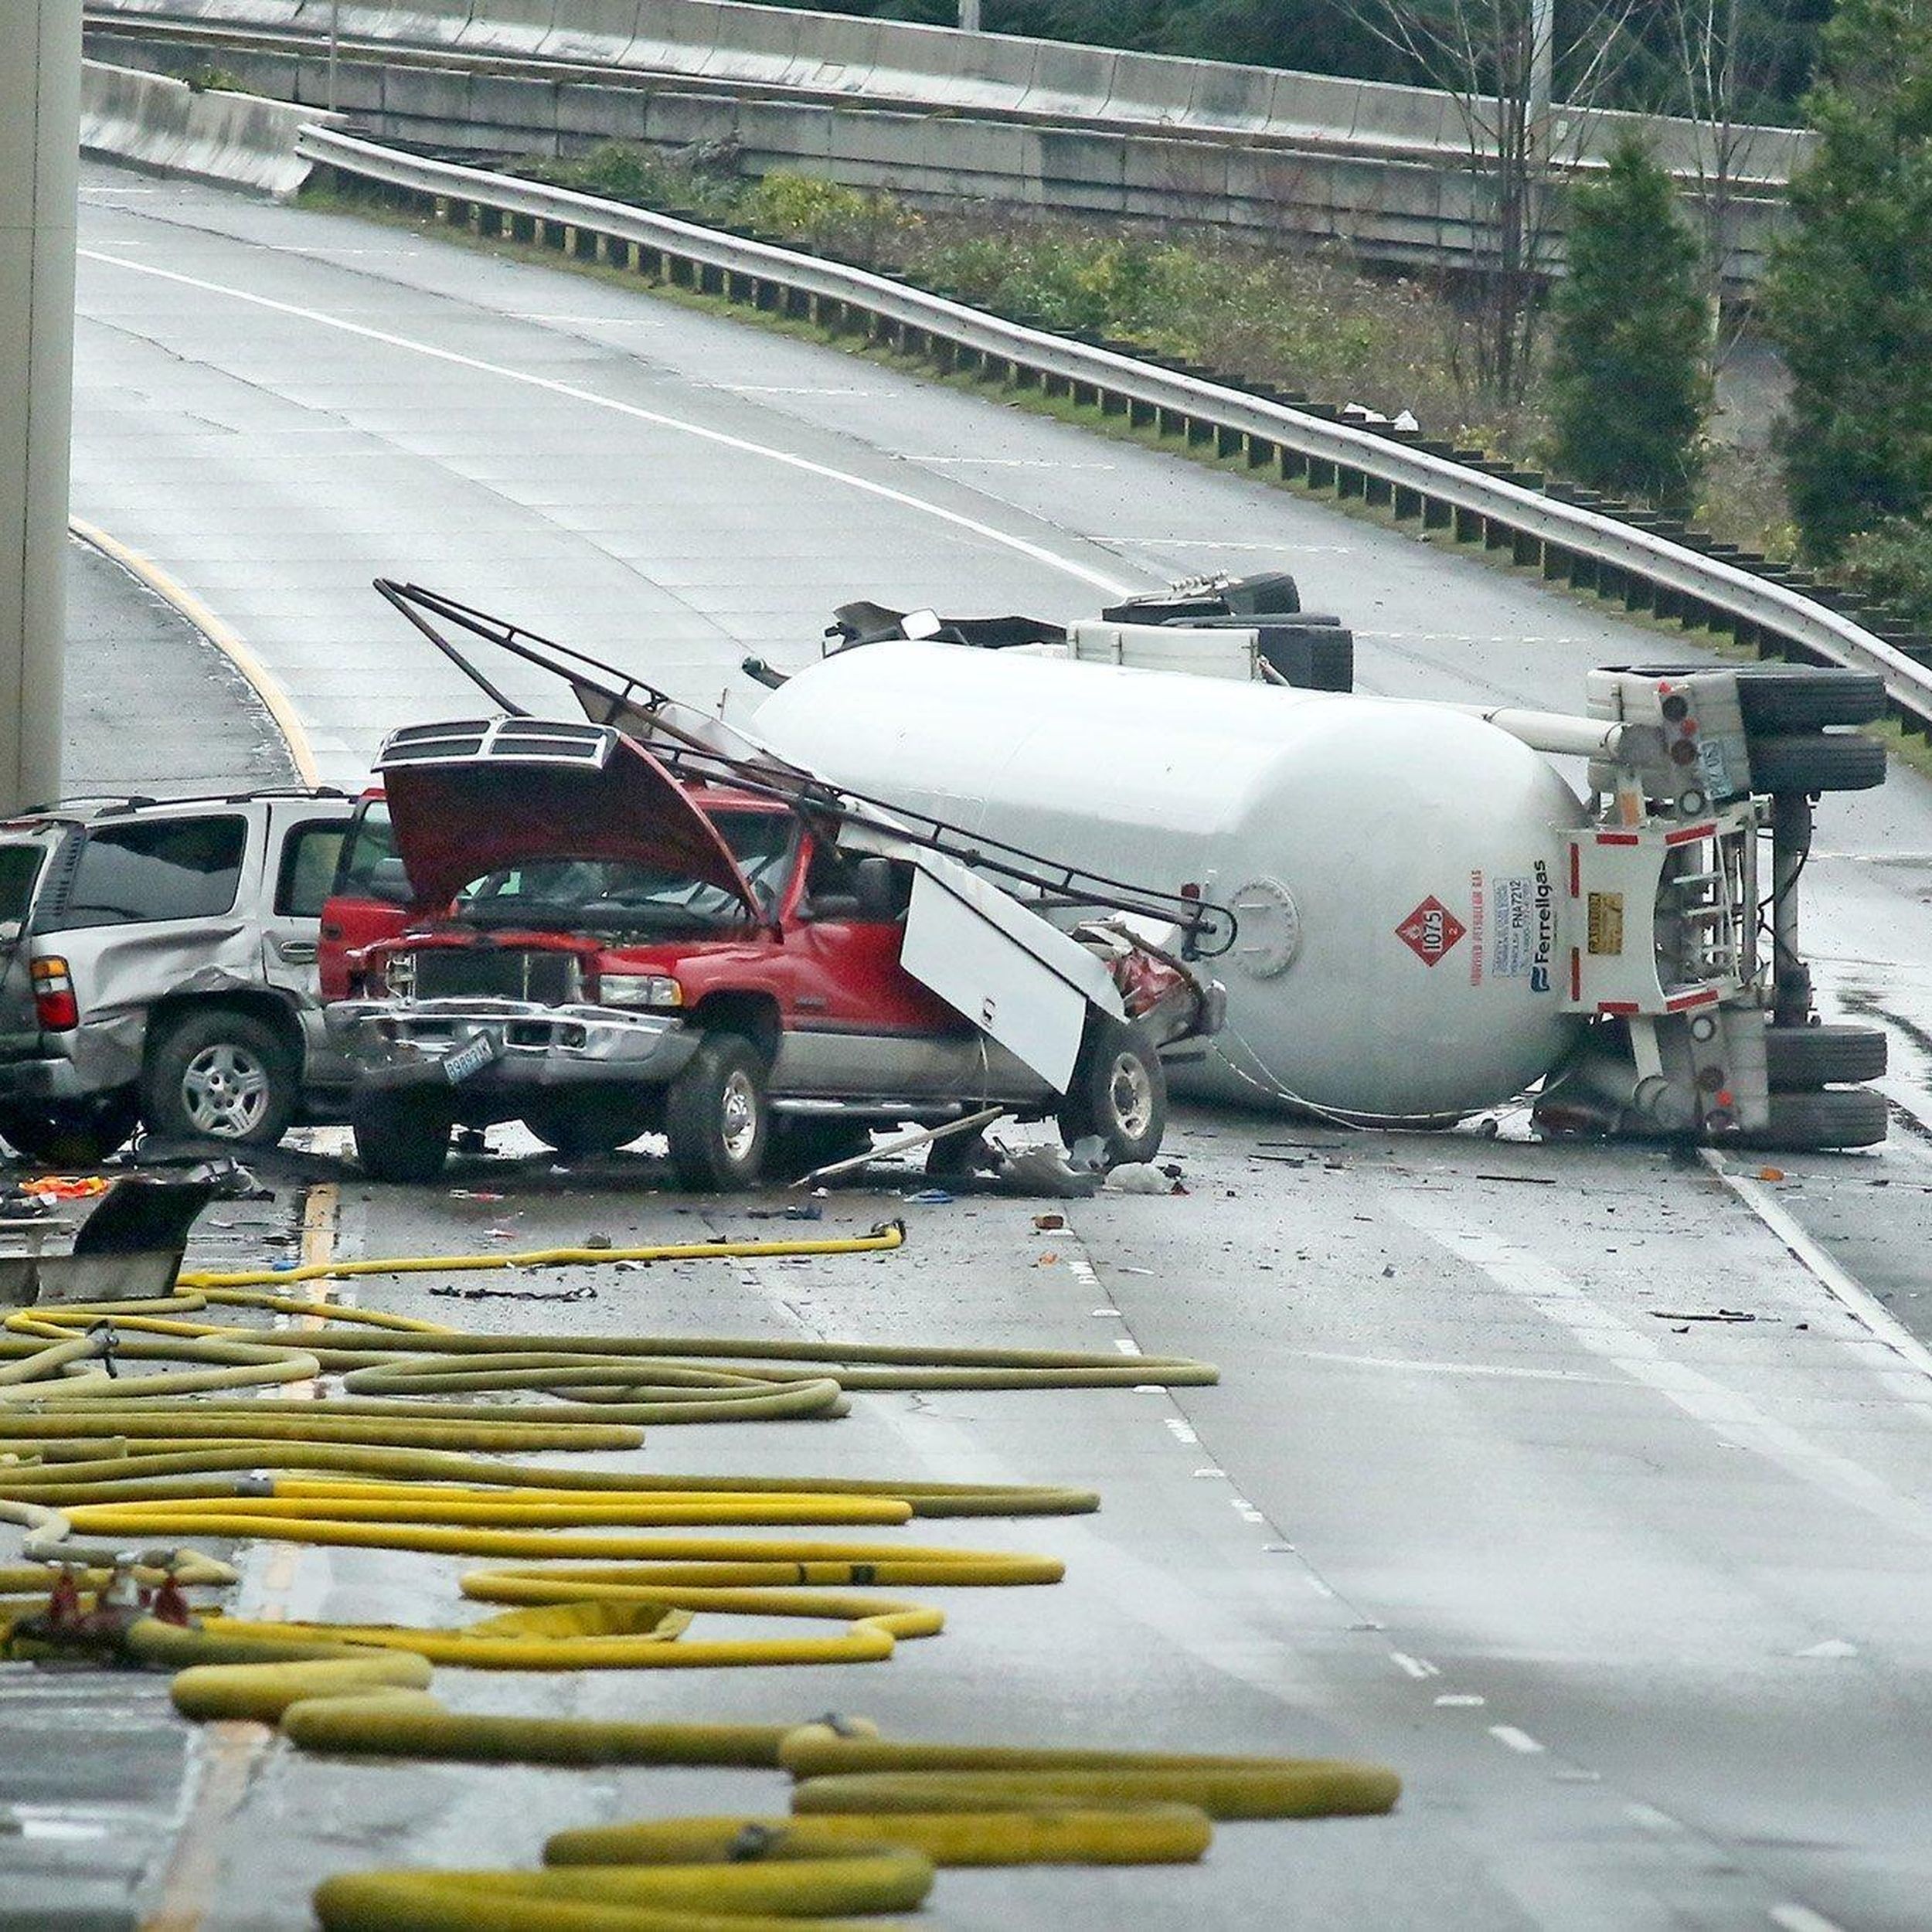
{"x": 581, "y": 1125}
{"x": 1814, "y": 761}
{"x": 1793, "y": 697}
{"x": 217, "y": 1073}
{"x": 401, "y": 1134}
{"x": 1800, "y": 1059}
{"x": 1119, "y": 1093}
{"x": 717, "y": 1118}
{"x": 72, "y": 1133}
{"x": 802, "y": 1144}
{"x": 1835, "y": 1117}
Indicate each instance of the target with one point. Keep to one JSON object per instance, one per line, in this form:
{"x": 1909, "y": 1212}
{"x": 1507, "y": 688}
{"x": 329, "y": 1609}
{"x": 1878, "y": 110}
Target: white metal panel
{"x": 998, "y": 982}
{"x": 1152, "y": 646}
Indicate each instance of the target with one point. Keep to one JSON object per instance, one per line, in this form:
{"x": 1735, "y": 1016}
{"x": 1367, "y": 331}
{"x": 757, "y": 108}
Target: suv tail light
{"x": 54, "y": 1004}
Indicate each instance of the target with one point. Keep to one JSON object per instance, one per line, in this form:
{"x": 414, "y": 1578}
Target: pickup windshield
{"x": 610, "y": 897}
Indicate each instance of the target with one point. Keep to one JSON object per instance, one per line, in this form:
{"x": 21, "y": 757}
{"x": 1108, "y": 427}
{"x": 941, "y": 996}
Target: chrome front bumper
{"x": 392, "y": 1042}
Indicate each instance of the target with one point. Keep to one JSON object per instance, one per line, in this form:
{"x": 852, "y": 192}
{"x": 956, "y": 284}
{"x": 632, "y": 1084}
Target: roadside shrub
{"x": 829, "y": 218}
{"x": 1892, "y": 564}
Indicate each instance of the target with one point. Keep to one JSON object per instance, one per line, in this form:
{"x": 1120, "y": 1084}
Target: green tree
{"x": 1848, "y": 300}
{"x": 1629, "y": 390}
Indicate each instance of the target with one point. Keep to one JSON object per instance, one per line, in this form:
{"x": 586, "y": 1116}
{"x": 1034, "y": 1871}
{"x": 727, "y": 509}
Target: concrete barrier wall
{"x": 1414, "y": 211}
{"x": 157, "y": 123}
{"x": 726, "y": 42}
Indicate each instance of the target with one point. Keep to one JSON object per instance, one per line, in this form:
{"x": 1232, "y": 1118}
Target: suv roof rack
{"x": 97, "y": 802}
{"x": 608, "y": 696}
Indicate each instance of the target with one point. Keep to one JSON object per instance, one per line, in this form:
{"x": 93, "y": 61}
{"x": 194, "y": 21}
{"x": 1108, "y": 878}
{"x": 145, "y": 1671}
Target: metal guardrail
{"x": 1644, "y": 561}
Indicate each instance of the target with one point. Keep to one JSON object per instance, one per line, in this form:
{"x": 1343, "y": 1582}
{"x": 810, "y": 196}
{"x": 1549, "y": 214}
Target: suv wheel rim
{"x": 738, "y": 1116}
{"x": 1130, "y": 1095}
{"x": 224, "y": 1091}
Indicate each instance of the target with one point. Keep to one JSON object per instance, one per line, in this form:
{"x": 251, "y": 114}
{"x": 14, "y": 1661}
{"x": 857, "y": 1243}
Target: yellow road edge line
{"x": 235, "y": 1747}
{"x": 221, "y": 636}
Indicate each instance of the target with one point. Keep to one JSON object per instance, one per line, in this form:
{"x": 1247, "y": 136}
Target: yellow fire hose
{"x": 1048, "y": 1835}
{"x": 481, "y": 1902}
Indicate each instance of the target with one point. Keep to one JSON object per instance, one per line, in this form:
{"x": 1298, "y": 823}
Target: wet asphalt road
{"x": 1633, "y": 1597}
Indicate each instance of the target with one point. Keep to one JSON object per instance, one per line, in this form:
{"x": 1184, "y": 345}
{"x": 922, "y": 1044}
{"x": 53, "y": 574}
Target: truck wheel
{"x": 585, "y": 1124}
{"x": 1799, "y": 1059}
{"x": 799, "y": 1144}
{"x": 1119, "y": 1093}
{"x": 1844, "y": 761}
{"x": 220, "y": 1075}
{"x": 716, "y": 1117}
{"x": 1793, "y": 697}
{"x": 402, "y": 1135}
{"x": 1835, "y": 1117}
{"x": 72, "y": 1133}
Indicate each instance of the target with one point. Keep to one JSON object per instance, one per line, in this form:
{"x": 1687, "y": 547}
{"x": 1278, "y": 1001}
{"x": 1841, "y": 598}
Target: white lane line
{"x": 1801, "y": 1918}
{"x": 1418, "y": 1668}
{"x": 1884, "y": 1325}
{"x": 1449, "y": 1368}
{"x": 1460, "y": 1701}
{"x": 571, "y": 392}
{"x": 1729, "y": 1416}
{"x": 1647, "y": 1818}
{"x": 1516, "y": 1740}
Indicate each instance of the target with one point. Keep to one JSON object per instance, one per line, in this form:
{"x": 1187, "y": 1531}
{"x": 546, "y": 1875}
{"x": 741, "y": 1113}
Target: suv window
{"x": 19, "y": 872}
{"x": 162, "y": 869}
{"x": 309, "y": 856}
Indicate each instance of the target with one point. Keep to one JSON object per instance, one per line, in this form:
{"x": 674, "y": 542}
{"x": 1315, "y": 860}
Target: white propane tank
{"x": 1394, "y": 867}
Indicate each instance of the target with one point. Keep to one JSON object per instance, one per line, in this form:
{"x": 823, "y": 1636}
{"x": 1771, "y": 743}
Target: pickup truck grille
{"x": 497, "y": 972}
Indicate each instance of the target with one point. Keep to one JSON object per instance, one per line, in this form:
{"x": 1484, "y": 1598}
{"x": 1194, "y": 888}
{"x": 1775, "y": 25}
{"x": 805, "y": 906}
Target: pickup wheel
{"x": 72, "y": 1133}
{"x": 1119, "y": 1093}
{"x": 401, "y": 1134}
{"x": 716, "y": 1117}
{"x": 578, "y": 1125}
{"x": 218, "y": 1074}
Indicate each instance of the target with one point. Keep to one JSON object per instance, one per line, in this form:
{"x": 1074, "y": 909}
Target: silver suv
{"x": 158, "y": 964}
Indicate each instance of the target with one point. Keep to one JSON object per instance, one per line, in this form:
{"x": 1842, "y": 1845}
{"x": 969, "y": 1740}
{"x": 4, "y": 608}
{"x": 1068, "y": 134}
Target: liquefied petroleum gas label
{"x": 1606, "y": 926}
{"x": 1430, "y": 931}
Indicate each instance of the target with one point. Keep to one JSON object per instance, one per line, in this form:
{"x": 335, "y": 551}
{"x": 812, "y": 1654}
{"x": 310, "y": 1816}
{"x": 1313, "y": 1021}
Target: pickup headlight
{"x": 638, "y": 989}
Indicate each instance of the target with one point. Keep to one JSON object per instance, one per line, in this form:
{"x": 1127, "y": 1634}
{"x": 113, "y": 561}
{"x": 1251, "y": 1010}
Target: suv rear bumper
{"x": 400, "y": 1043}
{"x": 33, "y": 1080}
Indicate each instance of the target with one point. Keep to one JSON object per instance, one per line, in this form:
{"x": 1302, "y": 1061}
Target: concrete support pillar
{"x": 39, "y": 137}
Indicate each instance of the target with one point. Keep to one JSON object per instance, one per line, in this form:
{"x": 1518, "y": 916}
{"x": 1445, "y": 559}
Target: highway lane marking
{"x": 191, "y": 609}
{"x": 1515, "y": 1740}
{"x": 1730, "y": 1417}
{"x": 570, "y": 391}
{"x": 1454, "y": 1368}
{"x": 1419, "y": 1667}
{"x": 1801, "y": 1918}
{"x": 1884, "y": 1325}
{"x": 233, "y": 1747}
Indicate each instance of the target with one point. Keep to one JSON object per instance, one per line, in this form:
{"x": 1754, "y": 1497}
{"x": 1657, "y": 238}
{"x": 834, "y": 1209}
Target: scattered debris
{"x": 583, "y": 1291}
{"x": 930, "y": 1197}
{"x": 597, "y": 1241}
{"x": 1140, "y": 1178}
{"x": 1716, "y": 1314}
{"x": 1071, "y": 1176}
{"x": 1048, "y": 1223}
{"x": 1523, "y": 1180}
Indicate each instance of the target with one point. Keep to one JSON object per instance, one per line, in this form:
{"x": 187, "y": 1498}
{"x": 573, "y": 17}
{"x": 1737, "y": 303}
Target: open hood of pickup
{"x": 475, "y": 796}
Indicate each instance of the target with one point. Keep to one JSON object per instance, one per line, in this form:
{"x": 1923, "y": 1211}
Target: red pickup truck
{"x": 539, "y": 921}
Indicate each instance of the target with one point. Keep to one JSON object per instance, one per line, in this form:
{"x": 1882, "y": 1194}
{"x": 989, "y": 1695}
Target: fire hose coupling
{"x": 106, "y": 1340}
{"x": 256, "y": 1485}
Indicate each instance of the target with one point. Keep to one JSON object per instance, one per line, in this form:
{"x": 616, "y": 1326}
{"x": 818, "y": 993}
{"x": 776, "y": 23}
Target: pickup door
{"x": 368, "y": 900}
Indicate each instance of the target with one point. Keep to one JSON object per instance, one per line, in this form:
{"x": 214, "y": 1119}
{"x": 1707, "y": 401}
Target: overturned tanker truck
{"x": 1432, "y": 921}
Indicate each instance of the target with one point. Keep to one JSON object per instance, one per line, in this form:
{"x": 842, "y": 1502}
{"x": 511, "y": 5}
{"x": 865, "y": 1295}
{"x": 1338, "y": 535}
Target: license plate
{"x": 470, "y": 1058}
